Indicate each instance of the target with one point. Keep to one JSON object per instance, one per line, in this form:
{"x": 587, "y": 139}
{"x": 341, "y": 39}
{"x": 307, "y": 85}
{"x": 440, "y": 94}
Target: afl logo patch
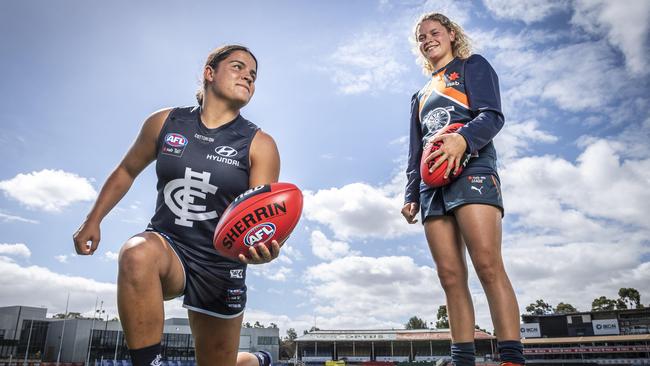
{"x": 259, "y": 233}
{"x": 225, "y": 151}
{"x": 175, "y": 144}
{"x": 436, "y": 119}
{"x": 175, "y": 140}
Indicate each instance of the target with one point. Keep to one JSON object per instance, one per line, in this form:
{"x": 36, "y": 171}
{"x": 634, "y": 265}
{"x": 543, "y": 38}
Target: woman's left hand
{"x": 452, "y": 150}
{"x": 260, "y": 254}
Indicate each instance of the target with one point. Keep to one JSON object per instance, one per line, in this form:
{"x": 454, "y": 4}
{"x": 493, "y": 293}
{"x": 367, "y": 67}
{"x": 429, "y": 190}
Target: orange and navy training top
{"x": 463, "y": 91}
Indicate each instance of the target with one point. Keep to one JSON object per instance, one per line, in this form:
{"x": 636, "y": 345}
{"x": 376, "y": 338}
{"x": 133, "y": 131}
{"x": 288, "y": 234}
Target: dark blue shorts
{"x": 213, "y": 286}
{"x": 476, "y": 188}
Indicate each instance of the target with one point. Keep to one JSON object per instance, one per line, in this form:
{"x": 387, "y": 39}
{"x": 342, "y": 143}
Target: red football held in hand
{"x": 257, "y": 216}
{"x": 437, "y": 177}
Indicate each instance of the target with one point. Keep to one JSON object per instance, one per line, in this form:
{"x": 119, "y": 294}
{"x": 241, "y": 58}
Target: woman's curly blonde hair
{"x": 461, "y": 47}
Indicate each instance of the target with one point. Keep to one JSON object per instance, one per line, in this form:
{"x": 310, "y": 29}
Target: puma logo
{"x": 479, "y": 190}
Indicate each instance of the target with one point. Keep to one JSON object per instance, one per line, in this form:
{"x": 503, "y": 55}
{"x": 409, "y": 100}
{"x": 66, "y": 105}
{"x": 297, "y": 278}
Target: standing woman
{"x": 465, "y": 214}
{"x": 205, "y": 156}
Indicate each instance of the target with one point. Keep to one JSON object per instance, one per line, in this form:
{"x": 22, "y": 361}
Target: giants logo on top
{"x": 175, "y": 144}
{"x": 224, "y": 155}
{"x": 259, "y": 234}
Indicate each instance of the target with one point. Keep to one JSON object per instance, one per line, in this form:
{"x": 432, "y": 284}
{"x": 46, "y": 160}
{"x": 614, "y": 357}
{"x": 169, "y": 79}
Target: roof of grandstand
{"x": 385, "y": 335}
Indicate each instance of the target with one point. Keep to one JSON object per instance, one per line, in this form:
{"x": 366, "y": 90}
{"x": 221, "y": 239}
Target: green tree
{"x": 273, "y": 325}
{"x": 443, "y": 318}
{"x": 258, "y": 325}
{"x": 312, "y": 329}
{"x": 603, "y": 304}
{"x": 288, "y": 344}
{"x": 247, "y": 325}
{"x": 415, "y": 323}
{"x": 563, "y": 308}
{"x": 539, "y": 307}
{"x": 629, "y": 298}
{"x": 291, "y": 334}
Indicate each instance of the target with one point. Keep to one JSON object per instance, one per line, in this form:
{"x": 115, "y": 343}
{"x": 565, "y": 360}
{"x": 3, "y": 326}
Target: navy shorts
{"x": 213, "y": 286}
{"x": 476, "y": 188}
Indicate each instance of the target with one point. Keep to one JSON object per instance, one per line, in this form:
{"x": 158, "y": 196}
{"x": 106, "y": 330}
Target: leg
{"x": 259, "y": 358}
{"x": 149, "y": 271}
{"x": 481, "y": 229}
{"x": 448, "y": 252}
{"x": 216, "y": 340}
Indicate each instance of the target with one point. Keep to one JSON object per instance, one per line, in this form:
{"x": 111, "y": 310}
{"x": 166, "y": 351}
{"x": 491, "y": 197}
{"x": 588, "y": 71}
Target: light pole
{"x": 65, "y": 316}
{"x": 92, "y": 326}
{"x": 29, "y": 338}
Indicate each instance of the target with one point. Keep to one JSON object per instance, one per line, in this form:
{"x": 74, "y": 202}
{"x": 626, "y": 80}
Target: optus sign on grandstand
{"x": 605, "y": 326}
{"x": 350, "y": 337}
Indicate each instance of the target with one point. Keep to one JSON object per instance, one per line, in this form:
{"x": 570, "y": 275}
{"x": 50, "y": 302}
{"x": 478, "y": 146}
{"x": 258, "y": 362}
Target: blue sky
{"x": 335, "y": 80}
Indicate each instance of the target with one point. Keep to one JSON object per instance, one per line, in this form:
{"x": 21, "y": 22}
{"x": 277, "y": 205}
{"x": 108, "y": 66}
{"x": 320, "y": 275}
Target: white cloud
{"x": 378, "y": 292}
{"x": 530, "y": 81}
{"x": 61, "y": 258}
{"x": 516, "y": 138}
{"x": 18, "y": 249}
{"x": 528, "y": 11}
{"x": 624, "y": 23}
{"x": 551, "y": 192}
{"x": 367, "y": 63}
{"x": 48, "y": 190}
{"x": 359, "y": 210}
{"x": 274, "y": 271}
{"x": 327, "y": 249}
{"x": 39, "y": 286}
{"x": 111, "y": 255}
{"x": 9, "y": 218}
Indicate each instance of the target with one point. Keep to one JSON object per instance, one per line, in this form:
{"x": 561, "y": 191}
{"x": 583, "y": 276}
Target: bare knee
{"x": 488, "y": 272}
{"x": 138, "y": 258}
{"x": 452, "y": 278}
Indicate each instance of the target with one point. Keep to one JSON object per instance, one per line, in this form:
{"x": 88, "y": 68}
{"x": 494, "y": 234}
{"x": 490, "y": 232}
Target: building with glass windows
{"x": 26, "y": 333}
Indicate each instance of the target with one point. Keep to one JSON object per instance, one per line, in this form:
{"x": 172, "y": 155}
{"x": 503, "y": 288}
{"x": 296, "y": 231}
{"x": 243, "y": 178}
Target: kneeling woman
{"x": 205, "y": 156}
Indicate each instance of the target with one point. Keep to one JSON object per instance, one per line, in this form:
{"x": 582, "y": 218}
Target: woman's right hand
{"x": 87, "y": 232}
{"x": 410, "y": 211}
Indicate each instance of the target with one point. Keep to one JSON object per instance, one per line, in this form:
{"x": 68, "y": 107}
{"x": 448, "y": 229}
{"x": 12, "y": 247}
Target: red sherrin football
{"x": 436, "y": 178}
{"x": 257, "y": 216}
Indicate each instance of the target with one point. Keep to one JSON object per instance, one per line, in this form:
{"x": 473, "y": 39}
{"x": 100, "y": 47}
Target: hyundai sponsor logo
{"x": 225, "y": 151}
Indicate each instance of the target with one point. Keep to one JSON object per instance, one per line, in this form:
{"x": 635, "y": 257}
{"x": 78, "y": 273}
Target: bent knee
{"x": 141, "y": 252}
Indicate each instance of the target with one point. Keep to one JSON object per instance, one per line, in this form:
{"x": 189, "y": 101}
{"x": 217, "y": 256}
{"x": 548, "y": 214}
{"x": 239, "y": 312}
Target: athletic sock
{"x": 264, "y": 358}
{"x": 463, "y": 354}
{"x": 511, "y": 351}
{"x": 147, "y": 356}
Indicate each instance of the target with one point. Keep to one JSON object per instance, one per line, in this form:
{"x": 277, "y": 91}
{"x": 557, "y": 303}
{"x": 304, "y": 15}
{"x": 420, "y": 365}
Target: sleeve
{"x": 415, "y": 153}
{"x": 482, "y": 87}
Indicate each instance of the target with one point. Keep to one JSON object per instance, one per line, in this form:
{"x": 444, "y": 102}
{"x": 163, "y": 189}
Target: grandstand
{"x": 363, "y": 346}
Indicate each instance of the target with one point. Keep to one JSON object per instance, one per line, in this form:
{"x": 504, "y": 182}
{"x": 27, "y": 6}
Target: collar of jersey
{"x": 444, "y": 67}
{"x": 210, "y": 131}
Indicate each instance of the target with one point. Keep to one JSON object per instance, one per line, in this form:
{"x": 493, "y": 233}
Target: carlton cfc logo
{"x": 175, "y": 140}
{"x": 259, "y": 233}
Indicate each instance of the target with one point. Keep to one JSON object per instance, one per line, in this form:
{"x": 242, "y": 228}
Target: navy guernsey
{"x": 463, "y": 91}
{"x": 200, "y": 172}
